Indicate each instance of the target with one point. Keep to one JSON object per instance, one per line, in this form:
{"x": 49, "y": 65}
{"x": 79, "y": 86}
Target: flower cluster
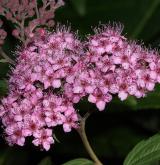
{"x": 114, "y": 66}
{"x": 119, "y": 66}
{"x": 28, "y": 15}
{"x": 36, "y": 102}
{"x": 56, "y": 71}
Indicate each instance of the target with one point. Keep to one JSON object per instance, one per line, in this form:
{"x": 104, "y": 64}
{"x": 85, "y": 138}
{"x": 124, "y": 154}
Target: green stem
{"x": 4, "y": 55}
{"x": 82, "y": 133}
{"x": 146, "y": 17}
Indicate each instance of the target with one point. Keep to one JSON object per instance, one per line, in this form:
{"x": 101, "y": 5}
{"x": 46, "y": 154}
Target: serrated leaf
{"x": 79, "y": 161}
{"x": 46, "y": 161}
{"x": 145, "y": 152}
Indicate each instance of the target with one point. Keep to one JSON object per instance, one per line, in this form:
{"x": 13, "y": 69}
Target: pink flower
{"x": 105, "y": 63}
{"x": 31, "y": 126}
{"x": 54, "y": 118}
{"x": 145, "y": 81}
{"x": 70, "y": 122}
{"x": 15, "y": 134}
{"x": 99, "y": 99}
{"x": 43, "y": 138}
{"x": 38, "y": 115}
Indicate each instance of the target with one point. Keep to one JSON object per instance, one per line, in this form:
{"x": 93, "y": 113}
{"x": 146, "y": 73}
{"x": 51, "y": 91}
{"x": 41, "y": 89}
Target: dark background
{"x": 115, "y": 131}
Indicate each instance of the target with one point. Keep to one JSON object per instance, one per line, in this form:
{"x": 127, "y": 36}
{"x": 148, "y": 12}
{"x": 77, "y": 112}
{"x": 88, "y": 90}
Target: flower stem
{"x": 82, "y": 133}
{"x": 7, "y": 58}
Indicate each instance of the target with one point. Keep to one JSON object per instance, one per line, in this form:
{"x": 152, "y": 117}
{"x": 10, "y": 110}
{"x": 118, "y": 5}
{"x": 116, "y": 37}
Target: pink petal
{"x": 150, "y": 86}
{"x": 153, "y": 75}
{"x": 27, "y": 132}
{"x": 92, "y": 99}
{"x": 66, "y": 127}
{"x": 18, "y": 118}
{"x": 46, "y": 84}
{"x": 78, "y": 89}
{"x": 36, "y": 142}
{"x": 122, "y": 95}
{"x": 101, "y": 105}
{"x": 56, "y": 83}
{"x": 20, "y": 141}
{"x": 89, "y": 89}
{"x": 46, "y": 146}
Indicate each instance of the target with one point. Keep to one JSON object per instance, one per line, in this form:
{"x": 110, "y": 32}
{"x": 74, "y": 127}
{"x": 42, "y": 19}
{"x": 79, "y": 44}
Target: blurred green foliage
{"x": 46, "y": 161}
{"x": 114, "y": 132}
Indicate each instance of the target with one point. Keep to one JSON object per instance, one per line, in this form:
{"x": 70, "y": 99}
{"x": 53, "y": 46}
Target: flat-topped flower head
{"x": 115, "y": 65}
{"x": 38, "y": 80}
{"x": 57, "y": 70}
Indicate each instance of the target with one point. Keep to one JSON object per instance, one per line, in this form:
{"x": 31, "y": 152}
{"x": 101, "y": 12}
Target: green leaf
{"x": 79, "y": 6}
{"x": 104, "y": 11}
{"x": 79, "y": 161}
{"x": 145, "y": 152}
{"x": 152, "y": 8}
{"x": 130, "y": 102}
{"x": 3, "y": 87}
{"x": 151, "y": 101}
{"x": 3, "y": 157}
{"x": 46, "y": 161}
{"x": 4, "y": 68}
{"x": 14, "y": 156}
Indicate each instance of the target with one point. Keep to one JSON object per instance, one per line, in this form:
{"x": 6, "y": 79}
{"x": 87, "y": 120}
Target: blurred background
{"x": 115, "y": 131}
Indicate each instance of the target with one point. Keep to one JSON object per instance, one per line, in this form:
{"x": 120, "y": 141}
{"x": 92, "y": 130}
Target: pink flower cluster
{"x": 28, "y": 15}
{"x": 57, "y": 70}
{"x": 118, "y": 66}
{"x": 36, "y": 102}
